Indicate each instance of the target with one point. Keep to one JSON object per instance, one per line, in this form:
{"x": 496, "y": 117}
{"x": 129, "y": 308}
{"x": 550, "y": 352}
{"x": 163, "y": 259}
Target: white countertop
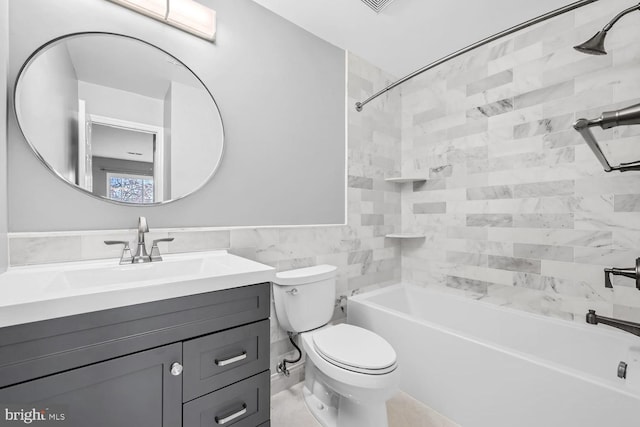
{"x": 42, "y": 292}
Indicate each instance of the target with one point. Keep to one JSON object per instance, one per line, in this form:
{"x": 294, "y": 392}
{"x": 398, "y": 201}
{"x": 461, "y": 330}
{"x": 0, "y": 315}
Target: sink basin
{"x": 43, "y": 292}
{"x": 118, "y": 275}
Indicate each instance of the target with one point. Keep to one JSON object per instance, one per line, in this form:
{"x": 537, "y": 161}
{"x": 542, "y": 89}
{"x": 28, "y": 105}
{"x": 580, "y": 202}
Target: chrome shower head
{"x": 593, "y": 46}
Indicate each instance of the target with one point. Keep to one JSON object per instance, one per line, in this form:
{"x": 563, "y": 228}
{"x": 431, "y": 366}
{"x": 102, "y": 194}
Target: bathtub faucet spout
{"x": 632, "y": 328}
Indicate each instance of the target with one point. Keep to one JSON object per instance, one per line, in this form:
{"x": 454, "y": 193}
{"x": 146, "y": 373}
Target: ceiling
{"x": 125, "y": 144}
{"x": 408, "y": 34}
{"x": 128, "y": 65}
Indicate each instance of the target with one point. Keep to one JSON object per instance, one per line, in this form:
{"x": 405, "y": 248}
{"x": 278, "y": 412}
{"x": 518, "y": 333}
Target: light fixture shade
{"x": 154, "y": 8}
{"x": 193, "y": 17}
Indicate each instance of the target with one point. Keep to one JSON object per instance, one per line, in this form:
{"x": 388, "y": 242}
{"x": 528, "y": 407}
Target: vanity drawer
{"x": 217, "y": 360}
{"x": 243, "y": 404}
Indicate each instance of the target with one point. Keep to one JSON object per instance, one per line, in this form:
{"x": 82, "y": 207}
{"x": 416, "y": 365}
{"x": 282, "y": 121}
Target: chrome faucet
{"x": 141, "y": 255}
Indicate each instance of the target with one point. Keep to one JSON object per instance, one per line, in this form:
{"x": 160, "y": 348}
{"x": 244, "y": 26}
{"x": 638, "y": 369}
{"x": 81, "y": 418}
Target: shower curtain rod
{"x": 489, "y": 39}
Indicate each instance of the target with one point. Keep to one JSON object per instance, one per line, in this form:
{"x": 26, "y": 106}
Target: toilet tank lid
{"x": 300, "y": 276}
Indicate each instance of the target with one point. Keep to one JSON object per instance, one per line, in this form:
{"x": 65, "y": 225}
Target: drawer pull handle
{"x": 232, "y": 359}
{"x": 232, "y": 416}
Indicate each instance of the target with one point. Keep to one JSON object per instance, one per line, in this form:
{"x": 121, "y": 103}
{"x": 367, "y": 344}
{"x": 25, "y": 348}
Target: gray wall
{"x": 281, "y": 93}
{"x": 50, "y": 94}
{"x": 192, "y": 118}
{"x": 4, "y": 54}
{"x": 120, "y": 104}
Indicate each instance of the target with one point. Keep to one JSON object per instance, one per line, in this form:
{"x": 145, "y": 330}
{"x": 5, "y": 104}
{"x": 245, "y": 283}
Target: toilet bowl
{"x": 350, "y": 372}
{"x": 362, "y": 376}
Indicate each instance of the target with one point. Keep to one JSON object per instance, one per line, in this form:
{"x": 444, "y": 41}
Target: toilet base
{"x": 333, "y": 410}
{"x": 325, "y": 414}
{"x": 354, "y": 414}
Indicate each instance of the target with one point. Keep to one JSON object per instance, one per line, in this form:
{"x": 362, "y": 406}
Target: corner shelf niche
{"x": 405, "y": 179}
{"x": 405, "y": 236}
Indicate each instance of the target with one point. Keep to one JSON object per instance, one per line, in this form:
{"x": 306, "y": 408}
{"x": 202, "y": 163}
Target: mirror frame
{"x": 42, "y": 49}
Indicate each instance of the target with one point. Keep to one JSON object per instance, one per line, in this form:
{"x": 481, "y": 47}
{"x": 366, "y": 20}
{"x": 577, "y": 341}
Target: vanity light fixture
{"x": 187, "y": 15}
{"x": 193, "y": 17}
{"x": 154, "y": 8}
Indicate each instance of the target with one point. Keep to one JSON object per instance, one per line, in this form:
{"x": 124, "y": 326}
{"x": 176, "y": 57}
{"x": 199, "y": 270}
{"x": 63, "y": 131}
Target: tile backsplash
{"x": 517, "y": 209}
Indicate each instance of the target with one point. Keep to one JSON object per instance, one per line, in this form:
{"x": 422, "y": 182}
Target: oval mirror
{"x": 119, "y": 118}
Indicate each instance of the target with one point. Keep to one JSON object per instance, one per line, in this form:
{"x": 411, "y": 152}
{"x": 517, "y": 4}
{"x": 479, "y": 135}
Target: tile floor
{"x": 289, "y": 410}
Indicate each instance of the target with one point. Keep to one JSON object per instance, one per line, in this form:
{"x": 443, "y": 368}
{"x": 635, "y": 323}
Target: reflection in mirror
{"x": 119, "y": 118}
{"x": 123, "y": 164}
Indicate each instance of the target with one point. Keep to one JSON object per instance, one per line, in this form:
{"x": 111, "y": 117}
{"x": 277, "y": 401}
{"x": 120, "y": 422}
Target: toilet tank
{"x": 305, "y": 297}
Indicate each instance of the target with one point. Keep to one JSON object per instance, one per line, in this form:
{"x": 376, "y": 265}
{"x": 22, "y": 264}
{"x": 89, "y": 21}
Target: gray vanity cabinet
{"x": 136, "y": 390}
{"x": 114, "y": 368}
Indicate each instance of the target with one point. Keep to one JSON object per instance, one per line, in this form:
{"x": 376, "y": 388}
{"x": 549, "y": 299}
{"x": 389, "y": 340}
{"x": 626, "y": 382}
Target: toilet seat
{"x": 355, "y": 349}
{"x": 345, "y": 380}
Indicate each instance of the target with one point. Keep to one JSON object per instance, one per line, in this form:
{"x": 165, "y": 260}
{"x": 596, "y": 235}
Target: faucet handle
{"x": 155, "y": 251}
{"x": 165, "y": 239}
{"x": 126, "y": 257}
{"x": 631, "y": 272}
{"x": 116, "y": 242}
{"x": 607, "y": 278}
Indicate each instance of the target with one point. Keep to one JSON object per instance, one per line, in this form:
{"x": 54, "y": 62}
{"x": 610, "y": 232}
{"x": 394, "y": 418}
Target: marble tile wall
{"x": 359, "y": 249}
{"x": 516, "y": 209}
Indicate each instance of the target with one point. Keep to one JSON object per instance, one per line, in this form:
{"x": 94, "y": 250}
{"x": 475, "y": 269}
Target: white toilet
{"x": 350, "y": 372}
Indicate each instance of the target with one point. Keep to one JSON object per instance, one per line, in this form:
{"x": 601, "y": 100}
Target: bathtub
{"x": 482, "y": 365}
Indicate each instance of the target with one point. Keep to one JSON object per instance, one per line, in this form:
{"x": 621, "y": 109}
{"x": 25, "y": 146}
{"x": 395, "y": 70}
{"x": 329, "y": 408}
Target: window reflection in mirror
{"x": 119, "y": 118}
{"x": 123, "y": 164}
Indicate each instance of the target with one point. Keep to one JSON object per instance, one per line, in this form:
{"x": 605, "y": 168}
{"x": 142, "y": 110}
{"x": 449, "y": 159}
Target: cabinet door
{"x": 136, "y": 390}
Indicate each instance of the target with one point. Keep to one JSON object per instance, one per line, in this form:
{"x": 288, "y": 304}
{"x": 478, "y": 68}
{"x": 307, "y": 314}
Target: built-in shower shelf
{"x": 405, "y": 236}
{"x": 404, "y": 179}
